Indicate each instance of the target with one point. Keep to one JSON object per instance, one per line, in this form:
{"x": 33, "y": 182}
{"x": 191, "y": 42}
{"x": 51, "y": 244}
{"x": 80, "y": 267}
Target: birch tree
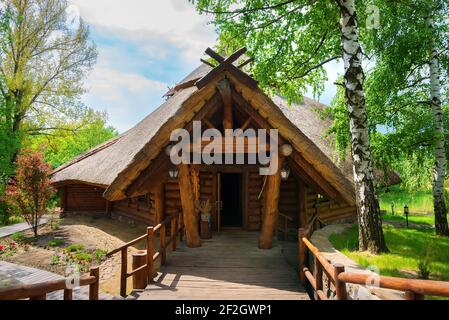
{"x": 292, "y": 40}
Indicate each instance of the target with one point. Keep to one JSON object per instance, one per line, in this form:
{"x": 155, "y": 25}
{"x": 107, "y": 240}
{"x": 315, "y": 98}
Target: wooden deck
{"x": 13, "y": 274}
{"x": 230, "y": 266}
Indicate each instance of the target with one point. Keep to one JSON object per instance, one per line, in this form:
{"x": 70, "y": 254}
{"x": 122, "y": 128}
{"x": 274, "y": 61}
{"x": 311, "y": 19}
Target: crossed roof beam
{"x": 226, "y": 64}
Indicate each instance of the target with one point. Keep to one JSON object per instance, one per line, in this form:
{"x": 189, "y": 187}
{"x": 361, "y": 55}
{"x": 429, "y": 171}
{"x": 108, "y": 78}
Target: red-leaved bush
{"x": 30, "y": 191}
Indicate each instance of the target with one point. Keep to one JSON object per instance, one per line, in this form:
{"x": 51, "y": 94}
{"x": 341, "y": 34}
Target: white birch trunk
{"x": 371, "y": 236}
{"x": 439, "y": 170}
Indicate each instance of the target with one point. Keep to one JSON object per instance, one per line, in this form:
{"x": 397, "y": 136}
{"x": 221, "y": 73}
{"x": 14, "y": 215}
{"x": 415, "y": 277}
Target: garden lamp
{"x": 285, "y": 173}
{"x": 173, "y": 172}
{"x": 406, "y": 212}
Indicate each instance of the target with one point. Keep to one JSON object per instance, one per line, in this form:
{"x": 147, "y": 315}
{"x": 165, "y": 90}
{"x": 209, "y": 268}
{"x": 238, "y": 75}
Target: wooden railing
{"x": 413, "y": 289}
{"x": 39, "y": 291}
{"x": 176, "y": 227}
{"x": 283, "y": 224}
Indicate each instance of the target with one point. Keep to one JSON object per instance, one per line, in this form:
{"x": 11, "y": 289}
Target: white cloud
{"x": 176, "y": 21}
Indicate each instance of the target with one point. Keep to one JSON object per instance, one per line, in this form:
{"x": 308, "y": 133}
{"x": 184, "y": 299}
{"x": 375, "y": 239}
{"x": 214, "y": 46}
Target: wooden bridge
{"x": 229, "y": 266}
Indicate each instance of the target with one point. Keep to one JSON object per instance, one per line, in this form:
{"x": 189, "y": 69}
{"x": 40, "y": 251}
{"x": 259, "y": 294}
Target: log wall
{"x": 141, "y": 209}
{"x": 81, "y": 197}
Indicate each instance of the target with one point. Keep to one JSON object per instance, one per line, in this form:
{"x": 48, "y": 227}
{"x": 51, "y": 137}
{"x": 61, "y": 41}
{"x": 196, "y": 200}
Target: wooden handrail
{"x": 40, "y": 290}
{"x": 176, "y": 228}
{"x": 414, "y": 289}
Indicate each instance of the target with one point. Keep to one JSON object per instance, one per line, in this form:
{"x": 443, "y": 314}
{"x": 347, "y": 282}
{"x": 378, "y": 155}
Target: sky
{"x": 143, "y": 48}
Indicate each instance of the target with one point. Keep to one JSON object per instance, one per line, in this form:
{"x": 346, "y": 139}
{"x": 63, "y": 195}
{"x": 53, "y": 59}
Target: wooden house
{"x": 129, "y": 175}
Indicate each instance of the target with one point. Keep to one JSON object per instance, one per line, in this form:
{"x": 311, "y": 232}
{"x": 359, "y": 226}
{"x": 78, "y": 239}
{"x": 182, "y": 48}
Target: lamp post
{"x": 406, "y": 212}
{"x": 392, "y": 208}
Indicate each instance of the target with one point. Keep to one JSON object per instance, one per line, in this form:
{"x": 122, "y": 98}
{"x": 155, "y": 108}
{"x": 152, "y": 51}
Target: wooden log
{"x": 270, "y": 217}
{"x": 188, "y": 207}
{"x": 140, "y": 279}
{"x": 318, "y": 272}
{"x": 159, "y": 203}
{"x": 123, "y": 271}
{"x": 95, "y": 286}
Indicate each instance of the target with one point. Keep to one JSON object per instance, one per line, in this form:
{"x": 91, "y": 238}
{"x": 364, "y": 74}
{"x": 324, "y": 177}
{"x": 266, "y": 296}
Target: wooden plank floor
{"x": 230, "y": 266}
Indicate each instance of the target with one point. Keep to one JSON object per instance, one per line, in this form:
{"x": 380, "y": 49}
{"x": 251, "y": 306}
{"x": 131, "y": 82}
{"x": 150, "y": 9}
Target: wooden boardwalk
{"x": 230, "y": 266}
{"x": 14, "y": 274}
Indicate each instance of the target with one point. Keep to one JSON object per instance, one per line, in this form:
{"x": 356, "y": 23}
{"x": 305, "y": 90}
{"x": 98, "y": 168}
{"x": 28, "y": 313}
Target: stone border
{"x": 320, "y": 239}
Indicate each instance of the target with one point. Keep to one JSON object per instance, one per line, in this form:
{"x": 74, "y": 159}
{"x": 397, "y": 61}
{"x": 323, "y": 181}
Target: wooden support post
{"x": 68, "y": 294}
{"x": 174, "y": 232}
{"x": 163, "y": 241}
{"x": 318, "y": 274}
{"x": 271, "y": 212}
{"x": 123, "y": 271}
{"x": 94, "y": 287}
{"x": 340, "y": 286}
{"x": 140, "y": 279}
{"x": 150, "y": 253}
{"x": 302, "y": 255}
{"x": 302, "y": 204}
{"x": 188, "y": 207}
{"x": 225, "y": 90}
{"x": 159, "y": 202}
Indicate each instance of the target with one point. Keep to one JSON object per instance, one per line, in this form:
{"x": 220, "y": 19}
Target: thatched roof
{"x": 106, "y": 164}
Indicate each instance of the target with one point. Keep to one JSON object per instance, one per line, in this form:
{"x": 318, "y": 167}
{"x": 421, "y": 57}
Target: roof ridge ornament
{"x": 226, "y": 64}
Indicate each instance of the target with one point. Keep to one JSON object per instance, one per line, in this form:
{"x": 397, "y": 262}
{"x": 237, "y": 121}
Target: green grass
{"x": 416, "y": 219}
{"x": 408, "y": 248}
{"x": 420, "y": 202}
{"x": 74, "y": 248}
{"x": 55, "y": 243}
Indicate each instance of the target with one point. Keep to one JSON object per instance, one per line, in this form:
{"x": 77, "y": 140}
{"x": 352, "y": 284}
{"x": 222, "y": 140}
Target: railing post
{"x": 340, "y": 286}
{"x": 150, "y": 253}
{"x": 410, "y": 295}
{"x": 163, "y": 239}
{"x": 68, "y": 294}
{"x": 302, "y": 255}
{"x": 174, "y": 232}
{"x": 94, "y": 287}
{"x": 140, "y": 279}
{"x": 123, "y": 271}
{"x": 318, "y": 273}
{"x": 40, "y": 297}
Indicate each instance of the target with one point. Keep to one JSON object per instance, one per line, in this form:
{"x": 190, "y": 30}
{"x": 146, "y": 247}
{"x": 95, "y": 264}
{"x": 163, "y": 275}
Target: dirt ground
{"x": 94, "y": 233}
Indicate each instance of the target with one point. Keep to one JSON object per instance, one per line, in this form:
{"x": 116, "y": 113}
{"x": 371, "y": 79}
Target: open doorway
{"x": 231, "y": 191}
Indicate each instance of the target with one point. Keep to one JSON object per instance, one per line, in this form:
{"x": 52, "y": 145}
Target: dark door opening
{"x": 231, "y": 214}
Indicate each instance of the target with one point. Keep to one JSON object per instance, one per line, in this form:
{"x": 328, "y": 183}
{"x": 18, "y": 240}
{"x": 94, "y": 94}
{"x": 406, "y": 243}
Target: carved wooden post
{"x": 302, "y": 255}
{"x": 271, "y": 212}
{"x": 188, "y": 207}
{"x": 150, "y": 253}
{"x": 94, "y": 287}
{"x": 340, "y": 286}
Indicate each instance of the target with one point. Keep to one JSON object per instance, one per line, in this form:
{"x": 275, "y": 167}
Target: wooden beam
{"x": 314, "y": 175}
{"x": 224, "y": 88}
{"x": 271, "y": 211}
{"x": 207, "y": 63}
{"x": 246, "y": 124}
{"x": 208, "y": 123}
{"x": 217, "y": 57}
{"x": 234, "y": 57}
{"x": 188, "y": 207}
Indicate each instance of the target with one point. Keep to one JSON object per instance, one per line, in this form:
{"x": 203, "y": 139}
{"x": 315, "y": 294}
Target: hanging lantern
{"x": 285, "y": 173}
{"x": 173, "y": 172}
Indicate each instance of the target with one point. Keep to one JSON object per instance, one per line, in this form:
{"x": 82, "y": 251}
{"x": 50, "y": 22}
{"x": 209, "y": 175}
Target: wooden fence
{"x": 414, "y": 289}
{"x": 176, "y": 227}
{"x": 39, "y": 291}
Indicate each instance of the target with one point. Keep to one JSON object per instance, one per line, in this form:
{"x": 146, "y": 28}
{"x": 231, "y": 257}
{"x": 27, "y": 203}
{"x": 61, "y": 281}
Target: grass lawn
{"x": 420, "y": 202}
{"x": 408, "y": 247}
{"x": 416, "y": 219}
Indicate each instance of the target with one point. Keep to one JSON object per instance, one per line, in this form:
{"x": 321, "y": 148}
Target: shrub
{"x": 29, "y": 192}
{"x": 83, "y": 256}
{"x": 424, "y": 269}
{"x": 54, "y": 260}
{"x": 74, "y": 248}
{"x": 100, "y": 254}
{"x": 55, "y": 242}
{"x": 18, "y": 237}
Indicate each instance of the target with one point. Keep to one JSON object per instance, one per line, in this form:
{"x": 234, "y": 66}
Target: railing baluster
{"x": 340, "y": 286}
{"x": 302, "y": 254}
{"x": 94, "y": 287}
{"x": 123, "y": 271}
{"x": 68, "y": 294}
{"x": 150, "y": 253}
{"x": 410, "y": 295}
{"x": 318, "y": 272}
{"x": 163, "y": 239}
{"x": 173, "y": 232}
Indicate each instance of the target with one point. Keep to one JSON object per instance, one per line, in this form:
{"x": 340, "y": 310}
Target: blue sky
{"x": 144, "y": 47}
